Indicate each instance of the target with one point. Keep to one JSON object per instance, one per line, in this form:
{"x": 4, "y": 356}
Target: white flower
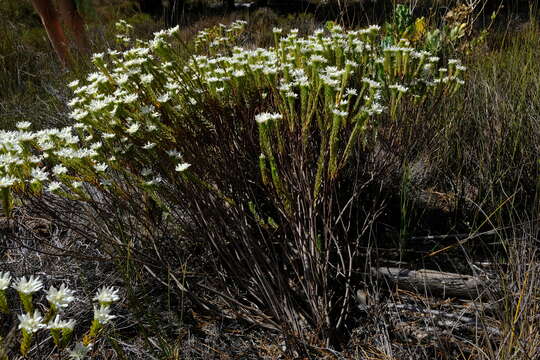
{"x": 5, "y": 280}
{"x": 73, "y": 84}
{"x": 79, "y": 351}
{"x": 174, "y": 153}
{"x": 108, "y": 135}
{"x": 340, "y": 113}
{"x": 100, "y": 167}
{"x": 147, "y": 78}
{"x": 102, "y": 314}
{"x": 264, "y": 117}
{"x": 133, "y": 128}
{"x": 23, "y": 125}
{"x": 39, "y": 174}
{"x": 29, "y": 286}
{"x": 372, "y": 83}
{"x": 107, "y": 295}
{"x": 78, "y": 114}
{"x": 129, "y": 98}
{"x": 163, "y": 98}
{"x": 351, "y": 92}
{"x": 399, "y": 88}
{"x": 57, "y": 324}
{"x": 182, "y": 167}
{"x": 31, "y": 322}
{"x": 98, "y": 56}
{"x": 59, "y": 169}
{"x": 146, "y": 172}
{"x": 7, "y": 181}
{"x": 154, "y": 181}
{"x": 53, "y": 186}
{"x": 317, "y": 59}
{"x": 61, "y": 297}
{"x": 149, "y": 145}
{"x": 238, "y": 73}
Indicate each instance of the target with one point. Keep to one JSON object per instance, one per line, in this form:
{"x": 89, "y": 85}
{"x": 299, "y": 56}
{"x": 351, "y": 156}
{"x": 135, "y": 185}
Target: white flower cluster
{"x": 126, "y": 115}
{"x": 330, "y": 64}
{"x": 50, "y": 159}
{"x": 59, "y": 299}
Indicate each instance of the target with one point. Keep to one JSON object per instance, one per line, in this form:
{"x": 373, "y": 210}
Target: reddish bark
{"x": 67, "y": 12}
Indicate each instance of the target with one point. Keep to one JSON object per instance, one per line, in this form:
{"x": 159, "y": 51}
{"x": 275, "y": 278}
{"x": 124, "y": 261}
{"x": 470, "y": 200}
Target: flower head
{"x": 182, "y": 167}
{"x": 38, "y": 174}
{"x": 102, "y": 314}
{"x": 5, "y": 280}
{"x": 60, "y": 298}
{"x": 107, "y": 295}
{"x": 31, "y": 322}
{"x": 23, "y": 125}
{"x": 58, "y": 324}
{"x": 7, "y": 181}
{"x": 29, "y": 286}
{"x": 79, "y": 351}
{"x": 53, "y": 186}
{"x": 264, "y": 117}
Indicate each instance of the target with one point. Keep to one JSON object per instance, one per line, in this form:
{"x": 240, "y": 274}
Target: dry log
{"x": 439, "y": 283}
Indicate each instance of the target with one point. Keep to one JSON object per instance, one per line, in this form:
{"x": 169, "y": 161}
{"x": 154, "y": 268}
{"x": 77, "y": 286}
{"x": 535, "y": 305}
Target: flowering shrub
{"x": 31, "y": 321}
{"x": 131, "y": 106}
{"x": 258, "y": 152}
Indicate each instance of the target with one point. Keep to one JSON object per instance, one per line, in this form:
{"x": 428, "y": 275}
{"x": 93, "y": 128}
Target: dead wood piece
{"x": 437, "y": 282}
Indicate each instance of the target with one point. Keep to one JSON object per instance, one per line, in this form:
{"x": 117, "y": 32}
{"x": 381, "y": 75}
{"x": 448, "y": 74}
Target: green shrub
{"x": 266, "y": 156}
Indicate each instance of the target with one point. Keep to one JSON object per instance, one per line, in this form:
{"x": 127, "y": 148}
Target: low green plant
{"x": 32, "y": 321}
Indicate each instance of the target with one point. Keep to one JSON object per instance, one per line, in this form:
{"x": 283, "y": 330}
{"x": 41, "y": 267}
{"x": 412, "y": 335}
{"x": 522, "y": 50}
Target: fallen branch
{"x": 440, "y": 283}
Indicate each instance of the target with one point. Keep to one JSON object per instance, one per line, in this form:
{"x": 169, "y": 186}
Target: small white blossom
{"x": 74, "y": 84}
{"x": 107, "y": 295}
{"x": 129, "y": 98}
{"x": 163, "y": 98}
{"x": 79, "y": 351}
{"x": 5, "y": 280}
{"x": 23, "y": 125}
{"x": 101, "y": 167}
{"x": 147, "y": 78}
{"x": 340, "y": 113}
{"x": 102, "y": 314}
{"x": 39, "y": 174}
{"x": 133, "y": 128}
{"x": 399, "y": 88}
{"x": 58, "y": 324}
{"x": 59, "y": 169}
{"x": 149, "y": 145}
{"x": 7, "y": 181}
{"x": 264, "y": 117}
{"x": 31, "y": 322}
{"x": 53, "y": 186}
{"x": 182, "y": 167}
{"x": 61, "y": 297}
{"x": 174, "y": 153}
{"x": 29, "y": 286}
